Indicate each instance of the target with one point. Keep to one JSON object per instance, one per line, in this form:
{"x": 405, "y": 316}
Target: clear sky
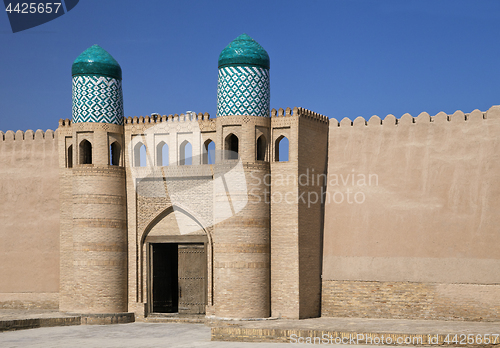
{"x": 339, "y": 58}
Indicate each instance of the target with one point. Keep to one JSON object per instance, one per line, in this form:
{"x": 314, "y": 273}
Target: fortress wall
{"x": 285, "y": 292}
{"x": 313, "y": 147}
{"x": 29, "y": 215}
{"x": 296, "y": 221}
{"x": 422, "y": 241}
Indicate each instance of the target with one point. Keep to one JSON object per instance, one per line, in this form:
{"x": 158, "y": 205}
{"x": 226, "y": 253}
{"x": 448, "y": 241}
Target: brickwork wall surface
{"x": 408, "y": 300}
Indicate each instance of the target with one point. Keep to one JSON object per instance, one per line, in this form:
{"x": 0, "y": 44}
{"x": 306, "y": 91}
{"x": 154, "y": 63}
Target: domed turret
{"x": 244, "y": 51}
{"x": 96, "y": 61}
{"x": 243, "y": 87}
{"x": 97, "y": 87}
{"x": 94, "y": 223}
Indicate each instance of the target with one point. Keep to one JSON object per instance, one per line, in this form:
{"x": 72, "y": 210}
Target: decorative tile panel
{"x": 243, "y": 90}
{"x": 97, "y": 99}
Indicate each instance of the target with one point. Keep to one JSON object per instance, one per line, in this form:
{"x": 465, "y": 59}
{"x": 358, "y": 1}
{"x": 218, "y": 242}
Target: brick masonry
{"x": 410, "y": 300}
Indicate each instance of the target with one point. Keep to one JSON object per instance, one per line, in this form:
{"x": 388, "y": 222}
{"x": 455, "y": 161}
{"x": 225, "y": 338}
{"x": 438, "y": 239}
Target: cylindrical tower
{"x": 95, "y": 280}
{"x": 243, "y": 87}
{"x": 241, "y": 207}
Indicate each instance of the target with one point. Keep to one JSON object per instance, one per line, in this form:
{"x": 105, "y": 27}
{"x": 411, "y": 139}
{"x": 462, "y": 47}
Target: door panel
{"x": 164, "y": 277}
{"x": 192, "y": 278}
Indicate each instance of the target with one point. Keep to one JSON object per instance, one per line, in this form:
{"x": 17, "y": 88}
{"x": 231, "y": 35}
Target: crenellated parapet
{"x": 301, "y": 112}
{"x": 422, "y": 118}
{"x": 187, "y": 122}
{"x": 155, "y": 119}
{"x": 28, "y": 135}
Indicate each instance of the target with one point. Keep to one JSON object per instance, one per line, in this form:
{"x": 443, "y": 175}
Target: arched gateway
{"x": 176, "y": 275}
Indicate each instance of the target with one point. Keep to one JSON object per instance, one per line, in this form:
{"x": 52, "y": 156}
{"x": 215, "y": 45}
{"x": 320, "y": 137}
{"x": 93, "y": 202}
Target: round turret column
{"x": 96, "y": 279}
{"x": 242, "y": 229}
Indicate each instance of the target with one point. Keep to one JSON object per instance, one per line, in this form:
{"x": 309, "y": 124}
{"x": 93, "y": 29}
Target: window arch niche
{"x": 85, "y": 150}
{"x": 140, "y": 159}
{"x": 162, "y": 154}
{"x": 114, "y": 153}
{"x": 281, "y": 149}
{"x": 70, "y": 156}
{"x": 209, "y": 152}
{"x": 186, "y": 153}
{"x": 232, "y": 147}
{"x": 261, "y": 148}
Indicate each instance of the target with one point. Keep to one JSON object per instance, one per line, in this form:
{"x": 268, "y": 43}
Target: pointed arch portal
{"x": 177, "y": 274}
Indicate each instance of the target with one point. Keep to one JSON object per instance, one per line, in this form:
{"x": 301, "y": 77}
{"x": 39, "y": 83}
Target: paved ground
{"x": 134, "y": 335}
{"x": 378, "y": 325}
{"x": 156, "y": 334}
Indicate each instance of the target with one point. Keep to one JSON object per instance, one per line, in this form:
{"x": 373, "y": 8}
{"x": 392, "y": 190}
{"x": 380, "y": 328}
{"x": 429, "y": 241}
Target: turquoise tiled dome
{"x": 96, "y": 61}
{"x": 244, "y": 51}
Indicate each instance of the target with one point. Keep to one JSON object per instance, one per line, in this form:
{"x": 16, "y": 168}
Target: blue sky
{"x": 339, "y": 58}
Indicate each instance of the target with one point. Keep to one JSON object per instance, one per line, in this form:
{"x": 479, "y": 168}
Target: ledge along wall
{"x": 425, "y": 243}
{"x": 29, "y": 215}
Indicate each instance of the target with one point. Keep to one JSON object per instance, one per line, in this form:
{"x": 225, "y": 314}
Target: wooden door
{"x": 163, "y": 268}
{"x": 192, "y": 278}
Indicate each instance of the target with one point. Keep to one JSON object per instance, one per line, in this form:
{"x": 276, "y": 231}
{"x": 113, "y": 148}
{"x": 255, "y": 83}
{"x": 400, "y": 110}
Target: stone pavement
{"x": 134, "y": 335}
{"x": 276, "y": 333}
{"x": 361, "y": 331}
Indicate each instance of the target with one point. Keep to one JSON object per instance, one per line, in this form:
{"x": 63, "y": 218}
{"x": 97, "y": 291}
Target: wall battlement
{"x": 170, "y": 118}
{"x": 28, "y": 135}
{"x": 301, "y": 112}
{"x": 65, "y": 123}
{"x": 424, "y": 117}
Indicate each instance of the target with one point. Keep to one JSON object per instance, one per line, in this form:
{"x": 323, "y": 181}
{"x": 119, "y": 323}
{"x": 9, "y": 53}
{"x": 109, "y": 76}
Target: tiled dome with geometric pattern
{"x": 96, "y": 61}
{"x": 244, "y": 51}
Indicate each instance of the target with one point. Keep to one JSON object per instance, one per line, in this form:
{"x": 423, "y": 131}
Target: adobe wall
{"x": 29, "y": 215}
{"x": 422, "y": 239}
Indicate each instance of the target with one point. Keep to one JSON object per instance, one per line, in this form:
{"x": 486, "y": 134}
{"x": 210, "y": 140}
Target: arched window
{"x": 140, "y": 155}
{"x": 209, "y": 152}
{"x": 261, "y": 148}
{"x": 281, "y": 148}
{"x": 85, "y": 152}
{"x": 70, "y": 156}
{"x": 114, "y": 154}
{"x": 231, "y": 147}
{"x": 186, "y": 153}
{"x": 162, "y": 154}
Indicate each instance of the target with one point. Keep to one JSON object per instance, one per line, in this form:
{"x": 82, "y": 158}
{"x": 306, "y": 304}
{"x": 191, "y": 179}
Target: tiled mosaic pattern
{"x": 97, "y": 99}
{"x": 243, "y": 90}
